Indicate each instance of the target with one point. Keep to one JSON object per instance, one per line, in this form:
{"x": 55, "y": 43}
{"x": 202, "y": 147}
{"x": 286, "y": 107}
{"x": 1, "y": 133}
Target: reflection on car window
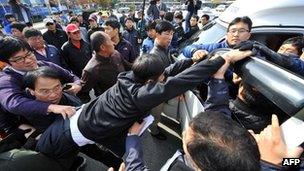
{"x": 210, "y": 34}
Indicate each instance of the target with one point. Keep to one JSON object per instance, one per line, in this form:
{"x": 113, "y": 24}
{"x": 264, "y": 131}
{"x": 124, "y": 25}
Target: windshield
{"x": 211, "y": 33}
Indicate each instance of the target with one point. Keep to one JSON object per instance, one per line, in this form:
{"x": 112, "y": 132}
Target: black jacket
{"x": 191, "y": 32}
{"x": 56, "y": 39}
{"x": 249, "y": 117}
{"x": 76, "y": 59}
{"x": 101, "y": 73}
{"x": 113, "y": 112}
{"x": 163, "y": 54}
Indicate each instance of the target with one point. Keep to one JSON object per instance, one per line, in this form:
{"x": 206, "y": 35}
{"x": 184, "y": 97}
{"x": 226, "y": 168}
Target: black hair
{"x": 31, "y": 77}
{"x": 97, "y": 39}
{"x": 206, "y": 16}
{"x": 74, "y": 19}
{"x": 195, "y": 16}
{"x": 129, "y": 18}
{"x": 9, "y": 15}
{"x": 297, "y": 42}
{"x": 19, "y": 26}
{"x": 178, "y": 15}
{"x": 219, "y": 143}
{"x": 169, "y": 16}
{"x": 163, "y": 26}
{"x": 151, "y": 25}
{"x": 9, "y": 46}
{"x": 152, "y": 2}
{"x": 31, "y": 32}
{"x": 147, "y": 67}
{"x": 113, "y": 23}
{"x": 244, "y": 19}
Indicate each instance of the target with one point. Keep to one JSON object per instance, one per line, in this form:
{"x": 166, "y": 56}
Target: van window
{"x": 273, "y": 40}
{"x": 214, "y": 32}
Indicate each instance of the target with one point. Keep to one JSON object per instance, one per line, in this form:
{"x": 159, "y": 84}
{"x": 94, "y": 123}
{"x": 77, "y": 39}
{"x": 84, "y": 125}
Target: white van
{"x": 273, "y": 22}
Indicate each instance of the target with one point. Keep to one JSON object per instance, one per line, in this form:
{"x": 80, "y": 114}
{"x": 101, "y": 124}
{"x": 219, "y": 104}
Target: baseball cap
{"x": 71, "y": 28}
{"x": 48, "y": 20}
{"x": 93, "y": 17}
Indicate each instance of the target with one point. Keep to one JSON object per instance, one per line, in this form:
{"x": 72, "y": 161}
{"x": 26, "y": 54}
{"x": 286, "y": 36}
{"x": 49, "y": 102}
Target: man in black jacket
{"x": 102, "y": 70}
{"x": 193, "y": 27}
{"x": 76, "y": 52}
{"x": 124, "y": 47}
{"x": 107, "y": 118}
{"x": 164, "y": 35}
{"x": 53, "y": 35}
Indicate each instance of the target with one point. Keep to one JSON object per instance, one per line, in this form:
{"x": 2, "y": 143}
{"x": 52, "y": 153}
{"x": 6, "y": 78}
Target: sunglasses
{"x": 49, "y": 24}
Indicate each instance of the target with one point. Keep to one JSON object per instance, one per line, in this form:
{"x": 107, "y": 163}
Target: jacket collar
{"x": 160, "y": 47}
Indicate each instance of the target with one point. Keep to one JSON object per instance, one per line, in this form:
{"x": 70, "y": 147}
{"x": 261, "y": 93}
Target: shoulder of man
{"x": 92, "y": 65}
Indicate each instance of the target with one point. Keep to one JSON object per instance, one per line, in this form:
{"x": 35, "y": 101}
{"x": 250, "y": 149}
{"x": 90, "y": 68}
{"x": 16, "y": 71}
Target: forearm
{"x": 178, "y": 67}
{"x": 134, "y": 154}
{"x": 177, "y": 85}
{"x": 218, "y": 96}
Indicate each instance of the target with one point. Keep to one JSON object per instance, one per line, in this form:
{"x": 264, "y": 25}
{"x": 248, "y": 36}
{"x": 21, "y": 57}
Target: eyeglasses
{"x": 49, "y": 24}
{"x": 21, "y": 59}
{"x": 48, "y": 92}
{"x": 240, "y": 31}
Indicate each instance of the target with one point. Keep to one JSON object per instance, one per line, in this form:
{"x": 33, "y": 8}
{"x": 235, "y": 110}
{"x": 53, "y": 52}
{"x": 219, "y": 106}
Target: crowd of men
{"x": 48, "y": 115}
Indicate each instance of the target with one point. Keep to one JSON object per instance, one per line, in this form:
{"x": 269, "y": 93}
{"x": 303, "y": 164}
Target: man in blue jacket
{"x": 238, "y": 31}
{"x": 43, "y": 51}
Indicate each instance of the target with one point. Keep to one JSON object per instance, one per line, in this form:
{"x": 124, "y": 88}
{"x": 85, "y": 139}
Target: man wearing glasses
{"x": 238, "y": 31}
{"x": 20, "y": 60}
{"x": 53, "y": 35}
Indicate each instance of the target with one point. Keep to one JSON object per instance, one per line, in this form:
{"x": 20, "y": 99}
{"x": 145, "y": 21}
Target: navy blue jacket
{"x": 126, "y": 50}
{"x": 132, "y": 36}
{"x": 52, "y": 55}
{"x": 189, "y": 50}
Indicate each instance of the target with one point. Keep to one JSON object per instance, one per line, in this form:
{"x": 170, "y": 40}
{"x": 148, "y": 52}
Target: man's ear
{"x": 31, "y": 91}
{"x": 101, "y": 47}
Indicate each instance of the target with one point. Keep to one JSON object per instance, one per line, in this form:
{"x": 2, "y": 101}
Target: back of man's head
{"x": 19, "y": 26}
{"x": 218, "y": 143}
{"x": 113, "y": 23}
{"x": 32, "y": 32}
{"x": 206, "y": 16}
{"x": 97, "y": 39}
{"x": 31, "y": 77}
{"x": 297, "y": 42}
{"x": 244, "y": 19}
{"x": 147, "y": 67}
{"x": 9, "y": 46}
{"x": 163, "y": 26}
{"x": 151, "y": 25}
{"x": 169, "y": 16}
